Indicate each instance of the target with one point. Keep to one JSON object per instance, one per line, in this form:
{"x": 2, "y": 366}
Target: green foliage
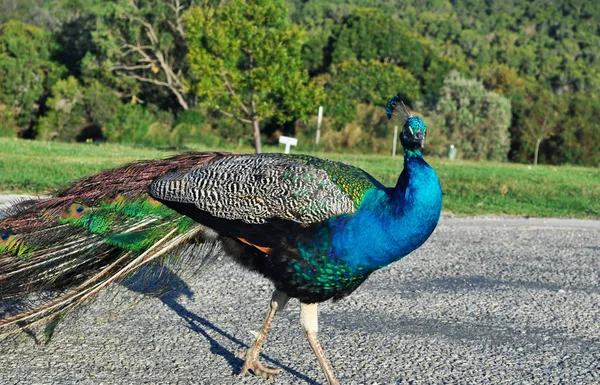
{"x": 74, "y": 39}
{"x": 550, "y": 43}
{"x": 321, "y": 20}
{"x": 476, "y": 121}
{"x": 371, "y": 82}
{"x": 515, "y": 47}
{"x": 101, "y": 103}
{"x": 543, "y": 115}
{"x": 571, "y": 121}
{"x": 26, "y": 74}
{"x": 193, "y": 127}
{"x": 77, "y": 113}
{"x": 370, "y": 34}
{"x": 185, "y": 134}
{"x": 193, "y": 117}
{"x": 8, "y": 123}
{"x": 246, "y": 58}
{"x": 577, "y": 134}
{"x": 201, "y": 126}
{"x": 67, "y": 115}
{"x": 135, "y": 124}
{"x": 369, "y": 132}
{"x": 542, "y": 56}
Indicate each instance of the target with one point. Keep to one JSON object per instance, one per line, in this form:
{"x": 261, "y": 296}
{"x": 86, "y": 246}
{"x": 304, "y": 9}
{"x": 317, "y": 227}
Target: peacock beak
{"x": 419, "y": 137}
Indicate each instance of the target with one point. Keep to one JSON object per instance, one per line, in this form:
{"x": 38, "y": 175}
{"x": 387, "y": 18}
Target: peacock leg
{"x": 278, "y": 302}
{"x": 310, "y": 323}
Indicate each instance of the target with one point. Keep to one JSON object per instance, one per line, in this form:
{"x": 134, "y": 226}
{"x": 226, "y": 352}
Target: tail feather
{"x": 96, "y": 231}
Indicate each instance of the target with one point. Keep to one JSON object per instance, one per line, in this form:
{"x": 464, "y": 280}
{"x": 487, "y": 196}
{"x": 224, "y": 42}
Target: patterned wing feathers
{"x": 255, "y": 188}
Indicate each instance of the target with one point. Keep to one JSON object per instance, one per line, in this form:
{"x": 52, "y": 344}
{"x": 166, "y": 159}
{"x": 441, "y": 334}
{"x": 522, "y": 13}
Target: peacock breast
{"x": 312, "y": 272}
{"x": 390, "y": 224}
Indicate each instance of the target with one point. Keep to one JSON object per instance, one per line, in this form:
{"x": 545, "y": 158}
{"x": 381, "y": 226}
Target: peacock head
{"x": 414, "y": 130}
{"x": 413, "y": 133}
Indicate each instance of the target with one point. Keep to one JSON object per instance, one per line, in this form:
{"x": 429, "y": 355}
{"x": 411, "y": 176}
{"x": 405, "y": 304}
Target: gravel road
{"x": 484, "y": 301}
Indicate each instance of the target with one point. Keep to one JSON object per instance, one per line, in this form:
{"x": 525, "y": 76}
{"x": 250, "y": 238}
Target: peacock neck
{"x": 411, "y": 153}
{"x": 391, "y": 223}
{"x": 414, "y": 164}
{"x": 418, "y": 188}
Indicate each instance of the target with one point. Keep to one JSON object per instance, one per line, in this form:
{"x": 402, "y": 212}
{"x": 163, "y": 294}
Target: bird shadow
{"x": 165, "y": 285}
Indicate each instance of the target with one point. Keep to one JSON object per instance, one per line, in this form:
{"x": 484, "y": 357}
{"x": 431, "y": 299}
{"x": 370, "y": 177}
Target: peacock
{"x": 314, "y": 227}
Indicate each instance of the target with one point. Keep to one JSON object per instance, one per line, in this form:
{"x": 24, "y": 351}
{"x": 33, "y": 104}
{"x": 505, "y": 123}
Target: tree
{"x": 577, "y": 136}
{"x": 476, "y": 120}
{"x": 366, "y": 81}
{"x": 26, "y": 72}
{"x": 66, "y": 117}
{"x": 246, "y": 57}
{"x": 370, "y": 34}
{"x": 144, "y": 41}
{"x": 541, "y": 120}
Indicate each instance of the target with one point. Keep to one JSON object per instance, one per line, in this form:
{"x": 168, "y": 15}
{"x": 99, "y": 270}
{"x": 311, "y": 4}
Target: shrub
{"x": 185, "y": 133}
{"x": 192, "y": 117}
{"x": 130, "y": 124}
{"x": 66, "y": 118}
{"x": 157, "y": 135}
{"x": 370, "y": 82}
{"x": 437, "y": 143}
{"x": 370, "y": 132}
{"x": 8, "y": 124}
{"x": 193, "y": 126}
{"x": 475, "y": 120}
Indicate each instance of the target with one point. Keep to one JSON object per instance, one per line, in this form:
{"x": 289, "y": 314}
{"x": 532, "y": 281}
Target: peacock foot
{"x": 252, "y": 363}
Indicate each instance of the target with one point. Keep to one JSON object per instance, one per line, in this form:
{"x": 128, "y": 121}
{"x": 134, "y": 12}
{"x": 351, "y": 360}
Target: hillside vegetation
{"x": 501, "y": 80}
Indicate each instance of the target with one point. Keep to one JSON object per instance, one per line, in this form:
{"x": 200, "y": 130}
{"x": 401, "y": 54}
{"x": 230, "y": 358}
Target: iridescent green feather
{"x": 352, "y": 180}
{"x": 115, "y": 219}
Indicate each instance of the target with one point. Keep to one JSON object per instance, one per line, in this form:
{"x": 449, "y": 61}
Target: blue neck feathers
{"x": 390, "y": 223}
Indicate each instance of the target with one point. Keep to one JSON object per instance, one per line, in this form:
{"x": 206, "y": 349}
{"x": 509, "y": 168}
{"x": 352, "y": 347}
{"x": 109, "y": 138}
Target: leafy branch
{"x": 154, "y": 53}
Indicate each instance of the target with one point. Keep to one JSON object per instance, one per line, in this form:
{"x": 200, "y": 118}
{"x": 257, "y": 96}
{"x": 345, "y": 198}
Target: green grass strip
{"x": 470, "y": 188}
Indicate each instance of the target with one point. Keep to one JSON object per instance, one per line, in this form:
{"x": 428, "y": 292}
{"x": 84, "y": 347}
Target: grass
{"x": 470, "y": 188}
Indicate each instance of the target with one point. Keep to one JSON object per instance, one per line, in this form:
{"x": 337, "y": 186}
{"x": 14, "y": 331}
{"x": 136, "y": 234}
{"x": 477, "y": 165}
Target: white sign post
{"x": 319, "y": 120}
{"x": 288, "y": 141}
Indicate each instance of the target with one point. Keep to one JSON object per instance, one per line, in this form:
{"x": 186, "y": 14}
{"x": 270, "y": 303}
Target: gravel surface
{"x": 485, "y": 300}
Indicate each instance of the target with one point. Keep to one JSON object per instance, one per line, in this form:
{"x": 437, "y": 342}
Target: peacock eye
{"x": 79, "y": 209}
{"x": 5, "y": 235}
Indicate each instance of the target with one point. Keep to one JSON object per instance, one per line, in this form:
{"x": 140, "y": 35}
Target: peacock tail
{"x": 93, "y": 232}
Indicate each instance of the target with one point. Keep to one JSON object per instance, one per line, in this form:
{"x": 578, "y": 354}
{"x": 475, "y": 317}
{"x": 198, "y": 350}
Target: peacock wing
{"x": 255, "y": 189}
